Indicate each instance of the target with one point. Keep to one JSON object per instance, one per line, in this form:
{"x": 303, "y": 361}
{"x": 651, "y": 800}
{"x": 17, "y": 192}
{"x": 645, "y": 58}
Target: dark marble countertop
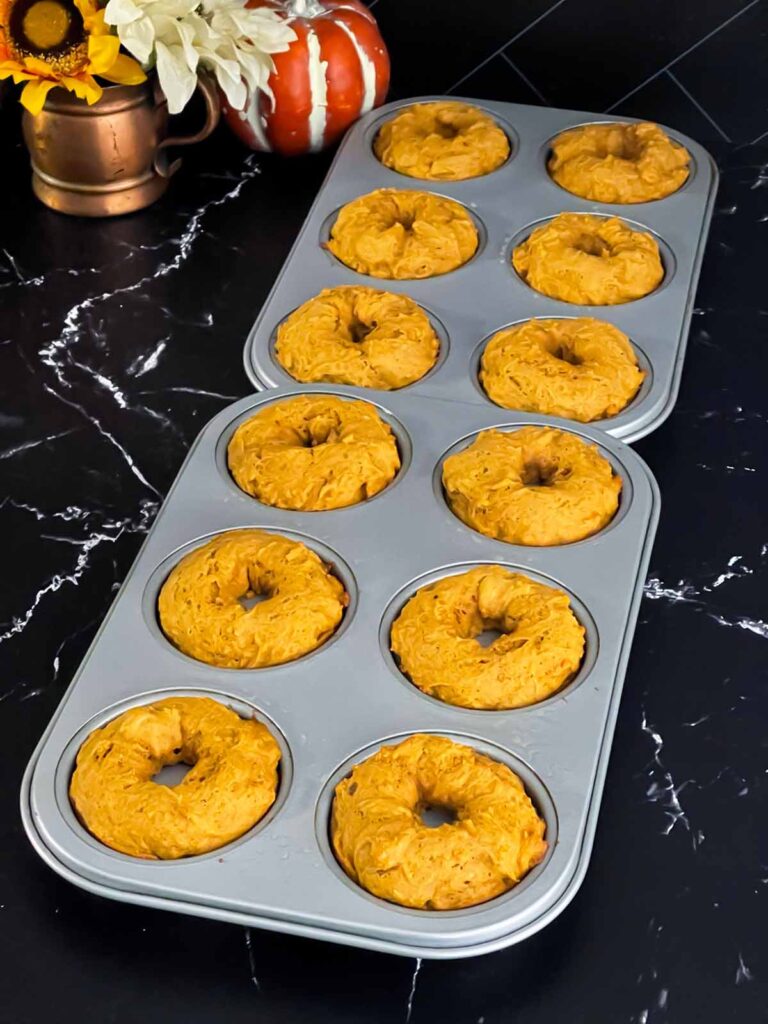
{"x": 118, "y": 341}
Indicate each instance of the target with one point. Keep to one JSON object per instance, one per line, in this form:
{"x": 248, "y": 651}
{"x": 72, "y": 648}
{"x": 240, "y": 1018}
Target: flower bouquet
{"x": 125, "y": 67}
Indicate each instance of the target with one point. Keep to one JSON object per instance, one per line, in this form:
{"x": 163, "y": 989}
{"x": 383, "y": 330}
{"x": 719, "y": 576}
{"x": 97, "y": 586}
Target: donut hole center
{"x": 171, "y": 774}
{"x": 318, "y": 432}
{"x": 406, "y": 220}
{"x": 489, "y": 636}
{"x": 538, "y": 474}
{"x": 624, "y": 146}
{"x": 251, "y": 598}
{"x": 566, "y": 354}
{"x": 433, "y": 815}
{"x": 592, "y": 245}
{"x": 359, "y": 331}
{"x": 446, "y": 131}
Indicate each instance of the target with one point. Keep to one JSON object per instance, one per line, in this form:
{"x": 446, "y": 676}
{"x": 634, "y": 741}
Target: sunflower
{"x": 50, "y": 43}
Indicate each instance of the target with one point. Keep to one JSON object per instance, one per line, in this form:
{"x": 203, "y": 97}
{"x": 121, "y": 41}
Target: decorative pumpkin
{"x": 336, "y": 70}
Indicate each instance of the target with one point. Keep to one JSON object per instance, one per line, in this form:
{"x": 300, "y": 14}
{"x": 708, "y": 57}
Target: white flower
{"x": 181, "y": 36}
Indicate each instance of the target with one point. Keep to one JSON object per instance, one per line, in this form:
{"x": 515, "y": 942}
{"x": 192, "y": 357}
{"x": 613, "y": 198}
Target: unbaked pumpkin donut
{"x": 400, "y": 234}
{"x": 540, "y": 647}
{"x": 382, "y": 843}
{"x": 313, "y": 452}
{"x": 592, "y": 261}
{"x": 360, "y": 336}
{"x": 619, "y": 163}
{"x": 536, "y": 486}
{"x": 200, "y": 605}
{"x": 583, "y": 369}
{"x": 443, "y": 141}
{"x": 231, "y": 785}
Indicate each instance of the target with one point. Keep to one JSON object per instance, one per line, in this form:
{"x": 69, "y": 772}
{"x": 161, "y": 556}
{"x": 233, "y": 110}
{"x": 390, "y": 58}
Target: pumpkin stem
{"x": 304, "y": 8}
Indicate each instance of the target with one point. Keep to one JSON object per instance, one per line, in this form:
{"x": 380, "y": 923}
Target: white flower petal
{"x": 187, "y": 37}
{"x": 121, "y": 12}
{"x": 138, "y": 38}
{"x": 235, "y": 91}
{"x": 224, "y": 35}
{"x": 177, "y": 79}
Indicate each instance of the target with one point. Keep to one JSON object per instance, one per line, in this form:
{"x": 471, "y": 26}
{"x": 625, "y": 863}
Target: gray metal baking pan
{"x": 470, "y": 304}
{"x": 339, "y": 704}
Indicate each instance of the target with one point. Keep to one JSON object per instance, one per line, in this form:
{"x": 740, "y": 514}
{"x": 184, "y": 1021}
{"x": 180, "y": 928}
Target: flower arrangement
{"x": 73, "y": 43}
{"x": 50, "y": 43}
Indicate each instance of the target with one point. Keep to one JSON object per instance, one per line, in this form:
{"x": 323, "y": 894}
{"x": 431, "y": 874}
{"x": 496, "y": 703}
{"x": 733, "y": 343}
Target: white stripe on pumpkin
{"x": 368, "y": 69}
{"x": 256, "y": 121}
{"x": 318, "y": 91}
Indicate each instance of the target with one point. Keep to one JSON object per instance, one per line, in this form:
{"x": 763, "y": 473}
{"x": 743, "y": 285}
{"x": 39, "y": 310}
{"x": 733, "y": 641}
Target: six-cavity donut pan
{"x": 337, "y": 706}
{"x": 468, "y": 305}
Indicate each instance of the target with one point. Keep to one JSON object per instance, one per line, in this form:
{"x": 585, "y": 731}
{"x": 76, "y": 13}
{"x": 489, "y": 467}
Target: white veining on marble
{"x": 756, "y": 626}
{"x": 116, "y": 528}
{"x": 144, "y": 363}
{"x": 26, "y": 445}
{"x": 734, "y": 570}
{"x": 662, "y": 788}
{"x": 57, "y": 354}
{"x": 686, "y": 592}
{"x": 251, "y": 959}
{"x": 109, "y": 436}
{"x": 412, "y": 993}
{"x": 743, "y": 973}
{"x": 193, "y": 391}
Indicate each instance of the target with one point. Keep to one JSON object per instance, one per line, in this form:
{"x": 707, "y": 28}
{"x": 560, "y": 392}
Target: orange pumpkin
{"x": 336, "y": 70}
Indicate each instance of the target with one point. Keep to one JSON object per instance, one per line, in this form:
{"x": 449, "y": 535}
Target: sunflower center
{"x": 49, "y": 30}
{"x": 46, "y": 24}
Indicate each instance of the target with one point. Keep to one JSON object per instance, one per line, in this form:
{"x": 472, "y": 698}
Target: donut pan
{"x": 343, "y": 701}
{"x": 470, "y": 304}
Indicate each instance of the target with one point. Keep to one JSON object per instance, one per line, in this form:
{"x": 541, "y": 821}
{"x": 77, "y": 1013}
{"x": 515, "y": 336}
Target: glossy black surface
{"x": 119, "y": 340}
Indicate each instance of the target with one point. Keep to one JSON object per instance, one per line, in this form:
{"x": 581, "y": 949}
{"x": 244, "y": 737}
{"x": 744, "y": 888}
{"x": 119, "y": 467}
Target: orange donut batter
{"x": 536, "y": 486}
{"x": 313, "y": 453}
{"x": 591, "y": 261}
{"x": 443, "y": 141}
{"x": 540, "y": 645}
{"x": 382, "y": 843}
{"x": 358, "y": 335}
{"x": 201, "y": 604}
{"x": 582, "y": 369}
{"x": 231, "y": 785}
{"x": 401, "y": 234}
{"x": 619, "y": 163}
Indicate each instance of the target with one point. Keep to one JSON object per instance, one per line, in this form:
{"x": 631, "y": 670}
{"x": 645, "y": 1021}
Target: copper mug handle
{"x": 210, "y": 93}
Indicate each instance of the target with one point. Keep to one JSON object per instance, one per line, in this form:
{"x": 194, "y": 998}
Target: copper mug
{"x": 109, "y": 158}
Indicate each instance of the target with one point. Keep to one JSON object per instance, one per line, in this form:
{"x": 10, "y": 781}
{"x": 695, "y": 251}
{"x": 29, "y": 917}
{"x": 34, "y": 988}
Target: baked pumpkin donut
{"x": 357, "y": 335}
{"x": 592, "y": 261}
{"x": 443, "y": 141}
{"x": 619, "y": 163}
{"x": 583, "y": 369}
{"x": 200, "y": 605}
{"x": 540, "y": 647}
{"x": 382, "y": 843}
{"x": 231, "y": 785}
{"x": 313, "y": 453}
{"x": 537, "y": 486}
{"x": 401, "y": 234}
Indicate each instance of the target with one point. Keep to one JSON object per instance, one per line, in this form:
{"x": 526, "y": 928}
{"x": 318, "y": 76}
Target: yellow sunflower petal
{"x": 23, "y": 76}
{"x": 10, "y": 67}
{"x": 34, "y": 94}
{"x": 84, "y": 87}
{"x": 18, "y": 76}
{"x": 102, "y": 53}
{"x": 90, "y": 13}
{"x": 125, "y": 71}
{"x": 39, "y": 68}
